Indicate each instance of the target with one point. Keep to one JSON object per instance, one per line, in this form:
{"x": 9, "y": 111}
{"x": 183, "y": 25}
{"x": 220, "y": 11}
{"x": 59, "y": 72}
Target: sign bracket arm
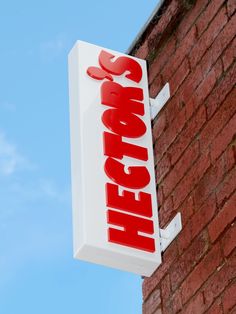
{"x": 156, "y": 104}
{"x": 168, "y": 234}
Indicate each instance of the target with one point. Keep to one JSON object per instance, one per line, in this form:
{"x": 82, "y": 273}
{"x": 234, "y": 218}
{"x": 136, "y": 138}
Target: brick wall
{"x": 192, "y": 45}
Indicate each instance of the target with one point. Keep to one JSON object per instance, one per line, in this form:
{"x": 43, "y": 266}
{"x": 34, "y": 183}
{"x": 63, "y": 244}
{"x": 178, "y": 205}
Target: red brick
{"x": 181, "y": 52}
{"x": 165, "y": 289}
{"x": 202, "y": 217}
{"x": 229, "y": 240}
{"x": 204, "y": 89}
{"x": 184, "y": 238}
{"x": 200, "y": 73}
{"x": 209, "y": 182}
{"x": 172, "y": 108}
{"x": 230, "y": 157}
{"x": 152, "y": 303}
{"x": 188, "y": 260}
{"x": 179, "y": 76}
{"x": 165, "y": 19}
{"x": 221, "y": 91}
{"x": 189, "y": 132}
{"x": 163, "y": 142}
{"x": 193, "y": 176}
{"x": 219, "y": 280}
{"x": 195, "y": 306}
{"x": 156, "y": 86}
{"x": 216, "y": 308}
{"x": 229, "y": 297}
{"x": 227, "y": 187}
{"x": 210, "y": 57}
{"x": 192, "y": 82}
{"x": 187, "y": 209}
{"x": 229, "y": 55}
{"x": 190, "y": 18}
{"x": 166, "y": 212}
{"x": 218, "y": 121}
{"x": 177, "y": 125}
{"x": 224, "y": 138}
{"x": 176, "y": 302}
{"x": 231, "y": 7}
{"x": 160, "y": 195}
{"x": 181, "y": 167}
{"x": 167, "y": 309}
{"x": 201, "y": 273}
{"x": 185, "y": 92}
{"x": 208, "y": 37}
{"x": 142, "y": 51}
{"x": 206, "y": 17}
{"x": 197, "y": 222}
{"x": 233, "y": 311}
{"x": 224, "y": 217}
{"x": 169, "y": 258}
{"x": 159, "y": 125}
{"x": 161, "y": 59}
{"x": 163, "y": 167}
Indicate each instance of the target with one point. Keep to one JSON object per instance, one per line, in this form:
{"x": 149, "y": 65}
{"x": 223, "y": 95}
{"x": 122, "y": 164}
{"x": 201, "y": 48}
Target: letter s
{"x": 120, "y": 65}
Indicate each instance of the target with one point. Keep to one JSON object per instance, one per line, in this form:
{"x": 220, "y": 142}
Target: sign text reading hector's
{"x": 123, "y": 120}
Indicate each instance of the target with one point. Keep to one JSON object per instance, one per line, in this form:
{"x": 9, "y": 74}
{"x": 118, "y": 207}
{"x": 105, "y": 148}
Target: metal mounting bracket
{"x": 160, "y": 100}
{"x": 168, "y": 234}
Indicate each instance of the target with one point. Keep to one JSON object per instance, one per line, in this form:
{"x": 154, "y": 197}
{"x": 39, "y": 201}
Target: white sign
{"x": 113, "y": 182}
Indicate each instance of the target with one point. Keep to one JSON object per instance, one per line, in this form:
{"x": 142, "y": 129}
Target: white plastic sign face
{"x": 115, "y": 217}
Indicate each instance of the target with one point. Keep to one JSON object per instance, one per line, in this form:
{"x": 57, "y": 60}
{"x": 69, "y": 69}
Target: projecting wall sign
{"x": 115, "y": 213}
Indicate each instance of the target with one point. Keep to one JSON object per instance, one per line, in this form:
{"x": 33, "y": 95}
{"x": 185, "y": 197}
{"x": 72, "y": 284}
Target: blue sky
{"x": 37, "y": 272}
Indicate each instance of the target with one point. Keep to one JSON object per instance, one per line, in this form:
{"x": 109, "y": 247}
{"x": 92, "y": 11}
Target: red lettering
{"x": 132, "y": 226}
{"x": 116, "y": 148}
{"x": 115, "y": 95}
{"x": 98, "y": 74}
{"x": 120, "y": 66}
{"x": 129, "y": 210}
{"x": 137, "y": 177}
{"x": 123, "y": 123}
{"x": 127, "y": 201}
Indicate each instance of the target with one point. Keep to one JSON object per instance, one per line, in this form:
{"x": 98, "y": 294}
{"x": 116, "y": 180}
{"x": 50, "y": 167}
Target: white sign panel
{"x": 113, "y": 183}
